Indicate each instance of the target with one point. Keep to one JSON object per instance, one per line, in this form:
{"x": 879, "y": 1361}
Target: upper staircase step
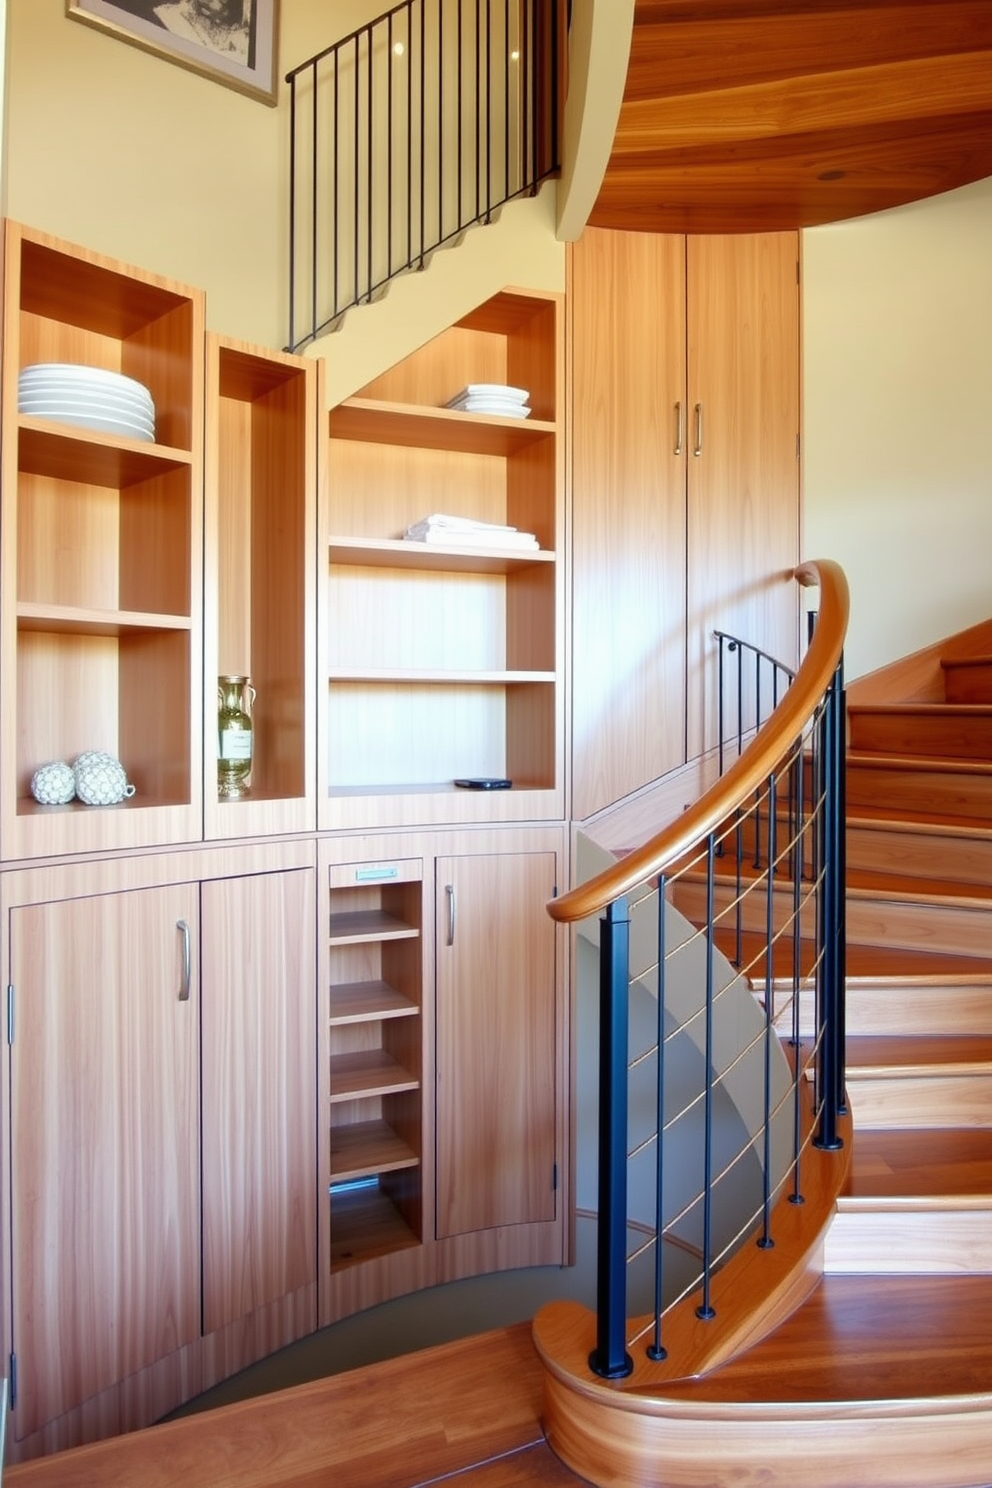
{"x": 967, "y": 679}
{"x": 919, "y": 1082}
{"x": 946, "y": 1164}
{"x": 919, "y": 845}
{"x": 952, "y": 787}
{"x": 945, "y": 730}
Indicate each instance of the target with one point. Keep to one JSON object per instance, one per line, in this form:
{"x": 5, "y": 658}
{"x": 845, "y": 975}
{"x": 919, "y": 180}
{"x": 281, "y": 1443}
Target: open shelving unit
{"x": 446, "y": 661}
{"x": 101, "y": 582}
{"x": 260, "y": 519}
{"x": 376, "y": 1059}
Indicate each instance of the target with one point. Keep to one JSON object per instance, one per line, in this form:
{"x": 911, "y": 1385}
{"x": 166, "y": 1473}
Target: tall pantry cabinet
{"x": 685, "y": 487}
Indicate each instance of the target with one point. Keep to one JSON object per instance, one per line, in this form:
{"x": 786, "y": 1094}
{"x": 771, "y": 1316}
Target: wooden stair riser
{"x": 952, "y": 1011}
{"x": 947, "y": 792}
{"x": 946, "y": 928}
{"x": 890, "y": 1241}
{"x": 954, "y": 733}
{"x": 887, "y": 1102}
{"x": 874, "y": 847}
{"x": 923, "y": 854}
{"x": 968, "y": 681}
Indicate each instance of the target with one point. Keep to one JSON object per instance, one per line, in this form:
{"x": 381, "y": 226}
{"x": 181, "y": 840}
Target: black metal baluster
{"x": 705, "y": 1309}
{"x": 766, "y": 1241}
{"x": 370, "y": 164}
{"x": 655, "y": 1350}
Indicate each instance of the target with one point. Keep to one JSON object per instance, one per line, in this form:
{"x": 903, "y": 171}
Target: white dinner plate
{"x": 128, "y": 429}
{"x": 79, "y": 373}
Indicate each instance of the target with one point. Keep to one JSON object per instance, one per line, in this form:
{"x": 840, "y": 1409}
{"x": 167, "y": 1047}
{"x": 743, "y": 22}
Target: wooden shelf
{"x": 371, "y": 1072}
{"x": 429, "y": 676}
{"x": 368, "y": 1002}
{"x": 71, "y": 620}
{"x": 365, "y": 1224}
{"x": 392, "y": 552}
{"x": 368, "y": 1147}
{"x": 373, "y": 421}
{"x": 62, "y": 452}
{"x": 366, "y": 926}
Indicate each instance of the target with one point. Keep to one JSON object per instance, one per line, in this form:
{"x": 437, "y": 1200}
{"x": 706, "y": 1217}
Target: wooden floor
{"x": 470, "y": 1408}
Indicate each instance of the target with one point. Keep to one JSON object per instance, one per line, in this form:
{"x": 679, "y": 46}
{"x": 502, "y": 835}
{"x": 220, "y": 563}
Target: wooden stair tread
{"x": 936, "y": 1163}
{"x": 870, "y": 883}
{"x": 937, "y": 823}
{"x": 924, "y": 710}
{"x": 864, "y": 1339}
{"x": 896, "y": 1055}
{"x": 865, "y": 963}
{"x": 920, "y": 763}
{"x": 862, "y": 883}
{"x": 948, "y": 662}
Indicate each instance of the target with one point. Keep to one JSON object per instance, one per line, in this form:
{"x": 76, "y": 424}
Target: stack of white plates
{"x": 491, "y": 397}
{"x": 88, "y": 398}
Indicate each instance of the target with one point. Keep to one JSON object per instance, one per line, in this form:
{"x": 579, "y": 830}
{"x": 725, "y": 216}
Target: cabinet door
{"x": 627, "y": 302}
{"x": 743, "y": 485}
{"x": 104, "y": 1137}
{"x": 259, "y": 1092}
{"x": 496, "y": 1042}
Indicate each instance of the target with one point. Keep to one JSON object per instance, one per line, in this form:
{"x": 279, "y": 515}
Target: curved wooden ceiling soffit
{"x": 764, "y": 115}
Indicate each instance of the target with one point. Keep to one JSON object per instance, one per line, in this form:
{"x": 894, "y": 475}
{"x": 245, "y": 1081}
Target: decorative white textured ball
{"x": 101, "y": 779}
{"x": 53, "y": 784}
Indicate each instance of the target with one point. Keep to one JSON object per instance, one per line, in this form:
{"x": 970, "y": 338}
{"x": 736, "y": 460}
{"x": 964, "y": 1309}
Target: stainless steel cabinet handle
{"x": 449, "y": 894}
{"x": 679, "y": 426}
{"x": 697, "y": 448}
{"x": 183, "y": 929}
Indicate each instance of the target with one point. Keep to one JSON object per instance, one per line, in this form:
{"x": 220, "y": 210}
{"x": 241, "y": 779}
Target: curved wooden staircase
{"x": 883, "y": 1375}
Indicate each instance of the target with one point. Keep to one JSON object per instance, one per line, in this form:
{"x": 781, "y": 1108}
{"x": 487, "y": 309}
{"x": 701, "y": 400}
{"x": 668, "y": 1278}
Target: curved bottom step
{"x": 886, "y": 1380}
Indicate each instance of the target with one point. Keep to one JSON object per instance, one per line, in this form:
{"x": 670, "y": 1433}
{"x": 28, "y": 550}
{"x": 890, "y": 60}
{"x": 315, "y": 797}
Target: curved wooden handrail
{"x": 747, "y": 773}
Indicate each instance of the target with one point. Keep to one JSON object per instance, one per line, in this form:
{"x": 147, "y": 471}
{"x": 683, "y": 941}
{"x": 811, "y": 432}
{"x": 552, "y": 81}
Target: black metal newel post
{"x": 610, "y": 1359}
{"x": 830, "y": 912}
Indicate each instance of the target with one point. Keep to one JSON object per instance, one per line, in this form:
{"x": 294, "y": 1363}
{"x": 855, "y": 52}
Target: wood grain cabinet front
{"x": 447, "y": 1072}
{"x": 161, "y": 1080}
{"x": 685, "y": 488}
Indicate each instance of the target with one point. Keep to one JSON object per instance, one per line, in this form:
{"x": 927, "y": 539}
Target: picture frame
{"x": 234, "y": 42}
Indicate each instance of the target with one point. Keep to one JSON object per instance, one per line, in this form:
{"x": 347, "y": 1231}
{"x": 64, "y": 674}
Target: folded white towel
{"x": 439, "y": 537}
{"x": 443, "y": 521}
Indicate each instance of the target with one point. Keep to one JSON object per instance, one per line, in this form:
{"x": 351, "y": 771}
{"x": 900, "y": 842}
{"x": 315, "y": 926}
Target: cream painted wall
{"x": 133, "y": 156}
{"x": 898, "y": 418}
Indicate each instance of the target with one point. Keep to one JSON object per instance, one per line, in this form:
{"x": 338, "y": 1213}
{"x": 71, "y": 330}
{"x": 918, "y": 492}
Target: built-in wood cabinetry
{"x": 160, "y": 1191}
{"x": 222, "y": 1112}
{"x": 685, "y": 487}
{"x": 448, "y": 662}
{"x": 446, "y": 1083}
{"x": 261, "y": 525}
{"x": 498, "y": 1049}
{"x": 100, "y": 555}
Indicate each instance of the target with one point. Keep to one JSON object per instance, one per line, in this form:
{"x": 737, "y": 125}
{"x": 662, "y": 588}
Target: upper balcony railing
{"x": 408, "y": 131}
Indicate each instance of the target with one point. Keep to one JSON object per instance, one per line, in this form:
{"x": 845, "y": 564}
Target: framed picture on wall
{"x": 231, "y": 41}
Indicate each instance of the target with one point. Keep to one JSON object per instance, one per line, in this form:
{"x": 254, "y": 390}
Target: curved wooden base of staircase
{"x": 632, "y": 1442}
